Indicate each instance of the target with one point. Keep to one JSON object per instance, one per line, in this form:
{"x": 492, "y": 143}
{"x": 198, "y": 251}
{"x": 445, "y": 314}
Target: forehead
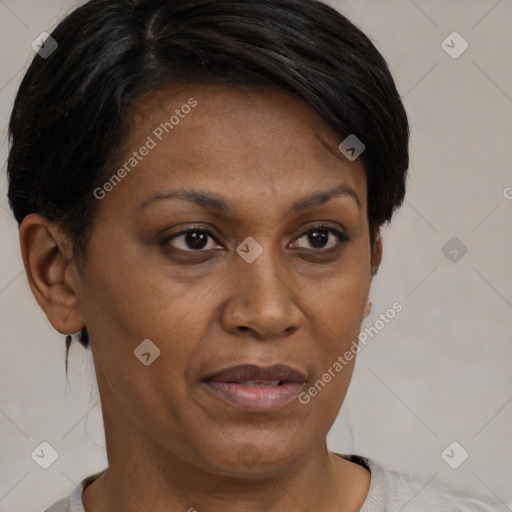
{"x": 245, "y": 143}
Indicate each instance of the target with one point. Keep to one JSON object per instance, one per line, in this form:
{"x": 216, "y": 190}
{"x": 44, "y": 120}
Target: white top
{"x": 389, "y": 492}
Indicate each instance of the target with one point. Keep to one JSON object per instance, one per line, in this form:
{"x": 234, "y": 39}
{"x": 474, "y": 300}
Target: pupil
{"x": 318, "y": 238}
{"x": 196, "y": 239}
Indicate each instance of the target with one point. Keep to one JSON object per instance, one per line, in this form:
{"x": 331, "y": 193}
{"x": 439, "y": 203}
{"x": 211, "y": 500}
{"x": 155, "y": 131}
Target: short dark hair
{"x": 71, "y": 113}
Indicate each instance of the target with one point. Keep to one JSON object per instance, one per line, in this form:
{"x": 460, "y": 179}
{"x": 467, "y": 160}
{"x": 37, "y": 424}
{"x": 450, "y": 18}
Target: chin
{"x": 259, "y": 457}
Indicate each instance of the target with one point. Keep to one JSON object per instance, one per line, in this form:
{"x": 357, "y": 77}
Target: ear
{"x": 376, "y": 258}
{"x": 376, "y": 254}
{"x": 49, "y": 266}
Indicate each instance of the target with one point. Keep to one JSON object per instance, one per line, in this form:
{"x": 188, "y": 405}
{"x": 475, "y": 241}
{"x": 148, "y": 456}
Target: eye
{"x": 192, "y": 240}
{"x": 201, "y": 240}
{"x": 320, "y": 237}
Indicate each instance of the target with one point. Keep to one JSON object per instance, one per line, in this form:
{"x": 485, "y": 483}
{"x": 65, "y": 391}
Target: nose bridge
{"x": 263, "y": 273}
{"x": 263, "y": 299}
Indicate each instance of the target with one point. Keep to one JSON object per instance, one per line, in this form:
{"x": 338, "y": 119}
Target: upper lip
{"x": 251, "y": 372}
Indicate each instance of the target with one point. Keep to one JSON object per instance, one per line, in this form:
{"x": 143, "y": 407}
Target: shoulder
{"x": 392, "y": 491}
{"x": 73, "y": 502}
{"x": 60, "y": 506}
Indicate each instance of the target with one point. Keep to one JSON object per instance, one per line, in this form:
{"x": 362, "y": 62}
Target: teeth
{"x": 259, "y": 383}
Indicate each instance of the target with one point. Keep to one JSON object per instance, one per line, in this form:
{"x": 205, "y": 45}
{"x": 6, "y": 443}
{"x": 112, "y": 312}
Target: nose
{"x": 264, "y": 298}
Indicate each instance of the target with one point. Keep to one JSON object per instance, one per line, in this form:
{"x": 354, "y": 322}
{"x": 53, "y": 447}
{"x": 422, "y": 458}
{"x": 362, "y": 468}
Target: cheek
{"x": 338, "y": 306}
{"x": 133, "y": 295}
{"x": 333, "y": 349}
{"x": 337, "y": 322}
{"x": 339, "y": 298}
{"x": 128, "y": 301}
{"x": 125, "y": 303}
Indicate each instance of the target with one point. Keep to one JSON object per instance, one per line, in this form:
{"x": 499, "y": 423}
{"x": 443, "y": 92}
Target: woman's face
{"x": 253, "y": 283}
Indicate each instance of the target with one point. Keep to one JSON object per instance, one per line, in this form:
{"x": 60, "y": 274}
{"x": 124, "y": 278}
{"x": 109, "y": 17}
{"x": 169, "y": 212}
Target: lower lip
{"x": 264, "y": 399}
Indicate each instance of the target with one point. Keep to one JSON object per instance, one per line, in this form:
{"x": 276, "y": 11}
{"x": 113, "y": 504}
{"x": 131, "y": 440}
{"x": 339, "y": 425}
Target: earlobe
{"x": 368, "y": 309}
{"x": 46, "y": 259}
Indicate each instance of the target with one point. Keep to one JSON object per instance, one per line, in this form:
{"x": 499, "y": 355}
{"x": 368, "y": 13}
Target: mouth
{"x": 256, "y": 389}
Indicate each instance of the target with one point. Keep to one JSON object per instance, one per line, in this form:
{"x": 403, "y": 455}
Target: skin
{"x": 171, "y": 443}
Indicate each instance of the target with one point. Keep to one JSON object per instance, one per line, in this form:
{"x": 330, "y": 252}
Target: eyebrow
{"x": 214, "y": 202}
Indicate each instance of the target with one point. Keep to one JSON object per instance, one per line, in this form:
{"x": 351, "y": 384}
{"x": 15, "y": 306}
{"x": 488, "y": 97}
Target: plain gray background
{"x": 439, "y": 372}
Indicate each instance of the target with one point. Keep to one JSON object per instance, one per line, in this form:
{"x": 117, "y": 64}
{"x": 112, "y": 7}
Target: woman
{"x": 200, "y": 187}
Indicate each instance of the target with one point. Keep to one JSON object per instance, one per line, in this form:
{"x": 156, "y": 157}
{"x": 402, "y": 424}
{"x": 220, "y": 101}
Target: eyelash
{"x": 343, "y": 238}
